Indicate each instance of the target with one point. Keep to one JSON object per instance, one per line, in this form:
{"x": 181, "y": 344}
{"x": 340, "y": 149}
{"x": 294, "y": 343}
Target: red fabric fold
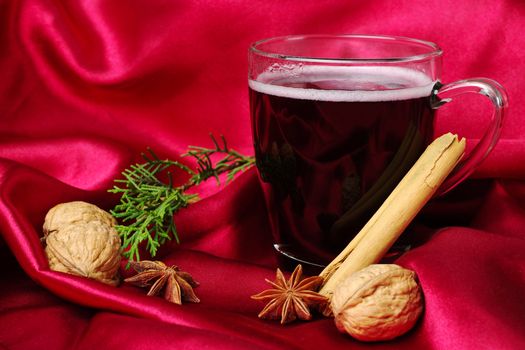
{"x": 88, "y": 85}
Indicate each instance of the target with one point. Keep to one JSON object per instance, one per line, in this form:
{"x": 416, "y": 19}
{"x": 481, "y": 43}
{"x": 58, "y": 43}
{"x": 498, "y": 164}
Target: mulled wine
{"x": 331, "y": 143}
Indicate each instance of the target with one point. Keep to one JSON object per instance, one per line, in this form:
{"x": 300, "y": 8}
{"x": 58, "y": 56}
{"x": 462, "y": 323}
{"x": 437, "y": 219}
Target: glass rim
{"x": 434, "y": 49}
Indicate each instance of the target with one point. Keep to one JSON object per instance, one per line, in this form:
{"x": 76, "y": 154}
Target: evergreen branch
{"x": 149, "y": 200}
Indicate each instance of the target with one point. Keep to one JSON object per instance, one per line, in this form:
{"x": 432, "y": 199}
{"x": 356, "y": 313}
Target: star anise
{"x": 178, "y": 285}
{"x": 292, "y": 299}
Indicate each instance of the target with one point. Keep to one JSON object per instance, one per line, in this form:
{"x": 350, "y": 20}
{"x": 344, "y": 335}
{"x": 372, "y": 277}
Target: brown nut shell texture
{"x": 72, "y": 213}
{"x": 379, "y": 302}
{"x": 81, "y": 240}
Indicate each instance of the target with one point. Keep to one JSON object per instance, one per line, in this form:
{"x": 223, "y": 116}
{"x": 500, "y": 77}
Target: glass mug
{"x": 337, "y": 121}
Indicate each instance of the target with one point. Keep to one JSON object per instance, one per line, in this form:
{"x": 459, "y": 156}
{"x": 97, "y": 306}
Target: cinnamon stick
{"x": 396, "y": 213}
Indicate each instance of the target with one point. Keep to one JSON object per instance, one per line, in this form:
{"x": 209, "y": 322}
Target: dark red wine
{"x": 330, "y": 147}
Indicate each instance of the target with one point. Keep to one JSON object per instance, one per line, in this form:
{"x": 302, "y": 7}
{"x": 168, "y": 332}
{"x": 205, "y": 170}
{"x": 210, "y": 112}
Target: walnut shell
{"x": 70, "y": 213}
{"x": 379, "y": 302}
{"x": 81, "y": 240}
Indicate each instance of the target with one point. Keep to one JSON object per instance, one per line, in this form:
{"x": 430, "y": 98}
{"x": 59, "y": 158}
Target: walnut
{"x": 81, "y": 240}
{"x": 379, "y": 302}
{"x": 71, "y": 213}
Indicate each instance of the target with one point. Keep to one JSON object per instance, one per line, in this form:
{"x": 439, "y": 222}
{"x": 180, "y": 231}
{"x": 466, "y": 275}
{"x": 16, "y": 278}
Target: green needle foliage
{"x": 149, "y": 198}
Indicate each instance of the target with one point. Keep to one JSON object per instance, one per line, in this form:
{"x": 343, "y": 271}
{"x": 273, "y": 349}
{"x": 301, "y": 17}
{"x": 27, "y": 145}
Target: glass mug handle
{"x": 443, "y": 94}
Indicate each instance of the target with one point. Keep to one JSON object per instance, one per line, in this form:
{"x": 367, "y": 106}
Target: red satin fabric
{"x": 88, "y": 85}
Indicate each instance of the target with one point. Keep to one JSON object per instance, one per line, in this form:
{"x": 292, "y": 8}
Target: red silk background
{"x": 87, "y": 85}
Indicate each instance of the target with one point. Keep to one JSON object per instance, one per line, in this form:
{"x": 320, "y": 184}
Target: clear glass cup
{"x": 337, "y": 120}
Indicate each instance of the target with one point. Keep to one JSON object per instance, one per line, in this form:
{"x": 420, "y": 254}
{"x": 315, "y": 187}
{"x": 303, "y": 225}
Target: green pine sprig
{"x": 149, "y": 198}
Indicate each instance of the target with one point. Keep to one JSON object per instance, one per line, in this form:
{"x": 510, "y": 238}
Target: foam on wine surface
{"x": 345, "y": 84}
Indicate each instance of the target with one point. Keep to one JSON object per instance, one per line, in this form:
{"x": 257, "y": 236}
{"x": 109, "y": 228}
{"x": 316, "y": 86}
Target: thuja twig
{"x": 232, "y": 163}
{"x": 149, "y": 198}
